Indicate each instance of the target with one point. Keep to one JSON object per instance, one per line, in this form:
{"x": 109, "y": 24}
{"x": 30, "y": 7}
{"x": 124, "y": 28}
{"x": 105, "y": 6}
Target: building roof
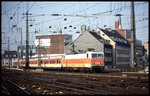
{"x": 116, "y": 37}
{"x": 98, "y": 37}
{"x": 10, "y": 54}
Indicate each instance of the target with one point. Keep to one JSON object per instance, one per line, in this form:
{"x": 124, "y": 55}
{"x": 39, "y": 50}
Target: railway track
{"x": 11, "y": 88}
{"x": 83, "y": 83}
{"x": 60, "y": 85}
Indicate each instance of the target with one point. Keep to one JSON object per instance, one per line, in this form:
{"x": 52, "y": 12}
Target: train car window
{"x": 52, "y": 61}
{"x": 41, "y": 61}
{"x": 87, "y": 55}
{"x": 45, "y": 62}
{"x": 36, "y": 62}
{"x": 58, "y": 61}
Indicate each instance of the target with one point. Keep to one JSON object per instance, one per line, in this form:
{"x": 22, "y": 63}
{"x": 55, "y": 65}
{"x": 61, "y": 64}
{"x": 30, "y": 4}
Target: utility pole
{"x": 27, "y": 38}
{"x": 18, "y": 56}
{"x": 21, "y": 45}
{"x": 8, "y": 51}
{"x": 39, "y": 55}
{"x": 8, "y": 43}
{"x": 133, "y": 37}
{"x": 73, "y": 48}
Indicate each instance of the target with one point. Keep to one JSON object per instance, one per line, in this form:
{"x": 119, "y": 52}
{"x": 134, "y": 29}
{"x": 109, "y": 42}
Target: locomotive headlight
{"x": 102, "y": 64}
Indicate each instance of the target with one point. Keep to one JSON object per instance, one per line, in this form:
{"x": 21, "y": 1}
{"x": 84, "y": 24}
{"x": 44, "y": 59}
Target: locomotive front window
{"x": 94, "y": 55}
{"x": 97, "y": 55}
{"x": 100, "y": 55}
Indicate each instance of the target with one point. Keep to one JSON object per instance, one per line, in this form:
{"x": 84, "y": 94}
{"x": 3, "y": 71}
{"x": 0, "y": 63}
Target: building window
{"x": 10, "y": 55}
{"x": 128, "y": 34}
{"x": 6, "y": 55}
{"x": 14, "y": 55}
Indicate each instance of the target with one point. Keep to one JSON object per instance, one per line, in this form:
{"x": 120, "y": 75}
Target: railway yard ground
{"x": 28, "y": 82}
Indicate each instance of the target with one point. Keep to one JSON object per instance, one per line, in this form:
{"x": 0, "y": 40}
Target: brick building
{"x": 126, "y": 33}
{"x": 52, "y": 44}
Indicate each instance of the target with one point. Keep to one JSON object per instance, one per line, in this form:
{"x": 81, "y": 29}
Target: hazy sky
{"x": 92, "y": 14}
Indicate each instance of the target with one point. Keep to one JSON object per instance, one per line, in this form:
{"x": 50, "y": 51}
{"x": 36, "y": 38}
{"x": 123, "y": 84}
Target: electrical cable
{"x": 14, "y": 6}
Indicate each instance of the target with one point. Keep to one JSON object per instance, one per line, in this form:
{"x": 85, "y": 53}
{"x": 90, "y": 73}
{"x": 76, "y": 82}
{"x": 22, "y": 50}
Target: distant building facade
{"x": 121, "y": 47}
{"x": 146, "y": 46}
{"x": 140, "y": 51}
{"x": 8, "y": 57}
{"x": 52, "y": 44}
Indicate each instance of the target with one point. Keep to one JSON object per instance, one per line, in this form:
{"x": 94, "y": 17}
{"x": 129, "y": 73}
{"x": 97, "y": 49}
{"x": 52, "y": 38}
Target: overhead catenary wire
{"x": 80, "y": 11}
{"x": 121, "y": 7}
{"x": 85, "y": 20}
{"x": 14, "y": 6}
{"x": 31, "y": 6}
{"x": 61, "y": 17}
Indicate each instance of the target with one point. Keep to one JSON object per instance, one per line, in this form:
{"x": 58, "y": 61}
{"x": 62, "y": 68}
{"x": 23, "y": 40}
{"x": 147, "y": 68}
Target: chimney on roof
{"x": 119, "y": 22}
{"x": 60, "y": 31}
{"x": 89, "y": 29}
{"x": 117, "y": 25}
{"x": 83, "y": 28}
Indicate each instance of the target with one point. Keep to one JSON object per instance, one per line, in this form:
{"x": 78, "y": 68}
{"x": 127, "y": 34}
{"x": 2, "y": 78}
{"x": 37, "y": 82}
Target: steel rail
{"x": 5, "y": 90}
{"x": 18, "y": 87}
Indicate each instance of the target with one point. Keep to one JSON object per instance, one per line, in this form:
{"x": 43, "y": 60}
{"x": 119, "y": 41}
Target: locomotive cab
{"x": 97, "y": 60}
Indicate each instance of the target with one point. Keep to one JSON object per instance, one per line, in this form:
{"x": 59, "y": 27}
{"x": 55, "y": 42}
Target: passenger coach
{"x": 90, "y": 61}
